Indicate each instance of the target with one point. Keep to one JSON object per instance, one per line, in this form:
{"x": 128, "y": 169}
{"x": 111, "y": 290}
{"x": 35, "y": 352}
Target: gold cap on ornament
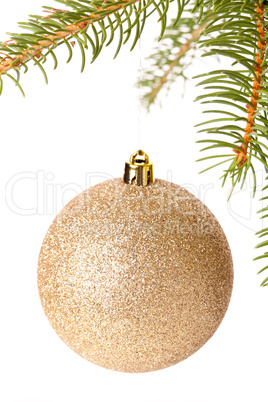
{"x": 139, "y": 169}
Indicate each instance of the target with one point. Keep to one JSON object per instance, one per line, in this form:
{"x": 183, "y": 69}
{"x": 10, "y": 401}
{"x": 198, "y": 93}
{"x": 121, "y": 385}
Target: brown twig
{"x": 242, "y": 155}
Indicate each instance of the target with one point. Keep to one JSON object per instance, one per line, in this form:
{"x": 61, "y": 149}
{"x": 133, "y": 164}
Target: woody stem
{"x": 256, "y": 86}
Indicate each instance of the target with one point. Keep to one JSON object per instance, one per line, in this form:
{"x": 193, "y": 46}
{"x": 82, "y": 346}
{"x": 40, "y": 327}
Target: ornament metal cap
{"x": 139, "y": 169}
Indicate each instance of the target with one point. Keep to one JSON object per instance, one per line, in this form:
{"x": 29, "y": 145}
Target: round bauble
{"x": 133, "y": 278}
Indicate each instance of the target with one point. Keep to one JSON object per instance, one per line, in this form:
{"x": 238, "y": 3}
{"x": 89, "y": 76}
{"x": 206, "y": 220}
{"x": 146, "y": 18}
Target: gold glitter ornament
{"x": 135, "y": 278}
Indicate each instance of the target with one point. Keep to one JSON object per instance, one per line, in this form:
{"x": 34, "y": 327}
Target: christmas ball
{"x": 135, "y": 278}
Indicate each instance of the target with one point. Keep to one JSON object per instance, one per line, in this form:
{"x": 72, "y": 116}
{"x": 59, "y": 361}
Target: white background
{"x": 68, "y": 135}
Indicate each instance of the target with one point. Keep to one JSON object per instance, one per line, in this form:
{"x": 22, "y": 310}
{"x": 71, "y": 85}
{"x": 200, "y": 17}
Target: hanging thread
{"x": 140, "y": 97}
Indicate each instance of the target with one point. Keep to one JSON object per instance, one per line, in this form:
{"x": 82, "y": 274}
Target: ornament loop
{"x": 139, "y": 169}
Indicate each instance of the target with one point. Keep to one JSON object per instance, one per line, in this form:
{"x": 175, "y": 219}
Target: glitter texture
{"x": 135, "y": 279}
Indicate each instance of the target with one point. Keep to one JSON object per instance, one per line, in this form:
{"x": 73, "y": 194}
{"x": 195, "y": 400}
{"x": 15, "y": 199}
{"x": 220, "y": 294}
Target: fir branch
{"x": 151, "y": 96}
{"x": 42, "y": 38}
{"x": 86, "y": 22}
{"x": 239, "y": 31}
{"x": 240, "y": 28}
{"x": 242, "y": 155}
{"x": 169, "y": 60}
